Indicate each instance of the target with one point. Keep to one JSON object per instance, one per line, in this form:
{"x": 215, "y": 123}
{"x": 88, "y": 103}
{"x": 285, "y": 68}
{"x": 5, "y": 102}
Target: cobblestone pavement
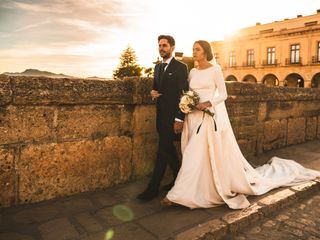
{"x": 116, "y": 214}
{"x": 301, "y": 220}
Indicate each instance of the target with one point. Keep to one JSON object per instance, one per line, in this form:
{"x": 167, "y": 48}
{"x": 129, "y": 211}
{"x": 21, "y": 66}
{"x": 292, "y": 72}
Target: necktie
{"x": 161, "y": 71}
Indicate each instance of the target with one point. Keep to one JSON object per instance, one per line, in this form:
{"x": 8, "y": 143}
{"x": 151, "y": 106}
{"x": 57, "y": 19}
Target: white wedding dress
{"x": 213, "y": 169}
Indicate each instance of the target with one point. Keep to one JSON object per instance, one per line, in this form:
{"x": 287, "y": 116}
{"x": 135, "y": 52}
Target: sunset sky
{"x": 85, "y": 38}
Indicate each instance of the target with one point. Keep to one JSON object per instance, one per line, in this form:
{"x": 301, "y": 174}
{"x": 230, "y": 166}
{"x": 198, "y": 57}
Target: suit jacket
{"x": 173, "y": 82}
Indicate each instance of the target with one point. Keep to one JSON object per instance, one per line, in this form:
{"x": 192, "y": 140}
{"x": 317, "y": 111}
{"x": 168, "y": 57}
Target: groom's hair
{"x": 170, "y": 39}
{"x": 206, "y": 48}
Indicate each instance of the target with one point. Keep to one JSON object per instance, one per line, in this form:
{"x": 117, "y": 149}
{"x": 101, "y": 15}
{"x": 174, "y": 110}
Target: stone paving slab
{"x": 60, "y": 228}
{"x": 116, "y": 214}
{"x": 237, "y": 220}
{"x": 299, "y": 221}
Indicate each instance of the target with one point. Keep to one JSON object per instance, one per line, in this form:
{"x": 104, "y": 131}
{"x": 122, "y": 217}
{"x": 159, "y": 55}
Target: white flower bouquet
{"x": 189, "y": 101}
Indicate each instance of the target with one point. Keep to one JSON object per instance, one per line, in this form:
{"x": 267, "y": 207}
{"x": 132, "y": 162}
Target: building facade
{"x": 282, "y": 53}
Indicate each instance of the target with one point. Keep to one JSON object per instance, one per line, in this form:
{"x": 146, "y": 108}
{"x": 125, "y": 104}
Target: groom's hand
{"x": 178, "y": 127}
{"x": 155, "y": 94}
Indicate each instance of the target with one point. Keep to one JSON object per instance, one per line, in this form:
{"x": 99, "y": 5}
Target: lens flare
{"x": 122, "y": 212}
{"x": 109, "y": 234}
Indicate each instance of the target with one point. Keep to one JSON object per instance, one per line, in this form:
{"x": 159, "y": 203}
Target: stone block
{"x": 274, "y": 134}
{"x": 260, "y": 137}
{"x": 296, "y": 130}
{"x": 262, "y": 113}
{"x": 54, "y": 91}
{"x": 37, "y": 214}
{"x": 59, "y": 169}
{"x": 141, "y": 90}
{"x": 283, "y": 109}
{"x": 26, "y": 123}
{"x": 310, "y": 108}
{"x": 144, "y": 119}
{"x": 245, "y": 121}
{"x": 247, "y": 146}
{"x": 144, "y": 154}
{"x": 307, "y": 188}
{"x": 237, "y": 109}
{"x": 105, "y": 198}
{"x": 88, "y": 222}
{"x": 7, "y": 177}
{"x": 126, "y": 120}
{"x": 5, "y": 90}
{"x": 164, "y": 223}
{"x": 60, "y": 228}
{"x": 239, "y": 219}
{"x": 246, "y": 132}
{"x": 78, "y": 204}
{"x": 211, "y": 229}
{"x": 311, "y": 130}
{"x": 93, "y": 122}
{"x": 277, "y": 197}
{"x": 277, "y": 200}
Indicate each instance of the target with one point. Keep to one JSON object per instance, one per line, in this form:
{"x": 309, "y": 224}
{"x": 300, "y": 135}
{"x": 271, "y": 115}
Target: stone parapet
{"x": 63, "y": 136}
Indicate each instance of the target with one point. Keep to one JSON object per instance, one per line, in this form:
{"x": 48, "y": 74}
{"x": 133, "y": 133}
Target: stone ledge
{"x": 230, "y": 223}
{"x": 23, "y": 90}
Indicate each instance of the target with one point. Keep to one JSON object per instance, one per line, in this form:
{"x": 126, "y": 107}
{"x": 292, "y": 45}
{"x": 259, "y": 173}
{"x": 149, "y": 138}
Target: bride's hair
{"x": 207, "y": 48}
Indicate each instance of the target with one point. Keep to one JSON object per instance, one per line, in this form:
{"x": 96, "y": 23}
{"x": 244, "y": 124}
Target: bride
{"x": 213, "y": 170}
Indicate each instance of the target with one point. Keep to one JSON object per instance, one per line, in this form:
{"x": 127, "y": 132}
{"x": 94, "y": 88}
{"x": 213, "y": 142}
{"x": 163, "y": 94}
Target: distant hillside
{"x": 37, "y": 73}
{"x": 98, "y": 78}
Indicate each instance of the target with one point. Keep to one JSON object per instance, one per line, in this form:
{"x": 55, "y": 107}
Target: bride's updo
{"x": 207, "y": 49}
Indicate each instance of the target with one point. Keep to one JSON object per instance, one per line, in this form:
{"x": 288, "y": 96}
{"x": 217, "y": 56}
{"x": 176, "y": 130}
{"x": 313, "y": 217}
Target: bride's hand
{"x": 203, "y": 105}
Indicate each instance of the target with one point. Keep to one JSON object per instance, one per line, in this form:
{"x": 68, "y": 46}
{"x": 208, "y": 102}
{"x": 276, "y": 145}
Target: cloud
{"x": 102, "y": 12}
{"x": 43, "y": 8}
{"x": 35, "y": 25}
{"x": 45, "y": 22}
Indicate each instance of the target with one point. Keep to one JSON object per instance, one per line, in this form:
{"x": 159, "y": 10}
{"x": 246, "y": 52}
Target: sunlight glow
{"x": 68, "y": 36}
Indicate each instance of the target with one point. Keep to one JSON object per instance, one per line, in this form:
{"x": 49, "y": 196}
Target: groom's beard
{"x": 165, "y": 55}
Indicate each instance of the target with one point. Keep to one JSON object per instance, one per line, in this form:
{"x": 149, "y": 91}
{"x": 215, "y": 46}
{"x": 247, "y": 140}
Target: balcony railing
{"x": 249, "y": 64}
{"x": 316, "y": 59}
{"x": 270, "y": 62}
{"x": 296, "y": 61}
{"x": 234, "y": 65}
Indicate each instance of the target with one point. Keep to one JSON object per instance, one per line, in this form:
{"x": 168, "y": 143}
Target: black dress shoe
{"x": 168, "y": 187}
{"x": 148, "y": 195}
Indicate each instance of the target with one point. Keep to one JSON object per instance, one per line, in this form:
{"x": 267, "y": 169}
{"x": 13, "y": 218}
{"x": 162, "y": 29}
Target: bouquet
{"x": 188, "y": 103}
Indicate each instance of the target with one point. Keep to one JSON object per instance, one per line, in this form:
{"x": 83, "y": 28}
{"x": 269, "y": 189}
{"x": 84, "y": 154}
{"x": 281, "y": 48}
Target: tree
{"x": 128, "y": 66}
{"x": 148, "y": 72}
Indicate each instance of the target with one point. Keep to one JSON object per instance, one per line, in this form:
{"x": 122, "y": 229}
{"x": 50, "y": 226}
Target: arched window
{"x": 250, "y": 79}
{"x": 315, "y": 82}
{"x": 294, "y": 80}
{"x": 270, "y": 80}
{"x": 231, "y": 78}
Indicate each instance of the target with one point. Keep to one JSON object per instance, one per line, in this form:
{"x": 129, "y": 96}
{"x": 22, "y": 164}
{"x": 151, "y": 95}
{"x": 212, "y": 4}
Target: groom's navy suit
{"x": 170, "y": 84}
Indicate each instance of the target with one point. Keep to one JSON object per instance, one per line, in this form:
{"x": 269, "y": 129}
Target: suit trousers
{"x": 167, "y": 155}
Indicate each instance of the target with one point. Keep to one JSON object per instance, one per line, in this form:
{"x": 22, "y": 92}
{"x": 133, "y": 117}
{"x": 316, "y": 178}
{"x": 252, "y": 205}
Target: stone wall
{"x": 63, "y": 136}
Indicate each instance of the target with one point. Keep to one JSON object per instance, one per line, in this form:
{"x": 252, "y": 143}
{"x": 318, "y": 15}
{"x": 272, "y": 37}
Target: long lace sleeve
{"x": 220, "y": 85}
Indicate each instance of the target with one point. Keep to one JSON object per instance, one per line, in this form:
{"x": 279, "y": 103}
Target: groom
{"x": 170, "y": 79}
